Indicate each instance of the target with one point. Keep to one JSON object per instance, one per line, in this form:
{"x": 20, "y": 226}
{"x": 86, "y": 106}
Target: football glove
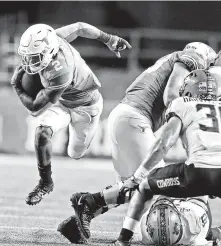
{"x": 17, "y": 75}
{"x": 131, "y": 184}
{"x": 117, "y": 44}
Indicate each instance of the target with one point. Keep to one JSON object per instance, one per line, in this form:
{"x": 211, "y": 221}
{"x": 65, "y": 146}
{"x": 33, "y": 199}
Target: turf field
{"x": 21, "y": 224}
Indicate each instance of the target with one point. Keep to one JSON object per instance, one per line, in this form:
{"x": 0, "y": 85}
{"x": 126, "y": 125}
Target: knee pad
{"x": 43, "y": 134}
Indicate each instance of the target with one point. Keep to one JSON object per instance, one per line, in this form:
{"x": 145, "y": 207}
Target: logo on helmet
{"x": 199, "y": 84}
{"x": 162, "y": 224}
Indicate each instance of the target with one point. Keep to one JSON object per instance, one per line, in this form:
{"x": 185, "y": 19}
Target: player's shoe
{"x": 43, "y": 188}
{"x": 85, "y": 207}
{"x": 69, "y": 228}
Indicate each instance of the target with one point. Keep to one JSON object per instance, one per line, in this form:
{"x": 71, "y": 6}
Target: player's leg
{"x": 136, "y": 208}
{"x": 49, "y": 123}
{"x": 131, "y": 137}
{"x": 83, "y": 125}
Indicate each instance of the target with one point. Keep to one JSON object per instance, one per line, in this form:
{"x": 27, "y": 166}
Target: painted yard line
{"x": 58, "y": 162}
{"x": 47, "y": 229}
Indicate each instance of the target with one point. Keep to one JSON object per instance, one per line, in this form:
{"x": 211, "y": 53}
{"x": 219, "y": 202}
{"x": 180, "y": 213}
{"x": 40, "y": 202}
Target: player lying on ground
{"x": 133, "y": 122}
{"x": 171, "y": 221}
{"x": 196, "y": 119}
{"x": 194, "y": 135}
{"x": 70, "y": 96}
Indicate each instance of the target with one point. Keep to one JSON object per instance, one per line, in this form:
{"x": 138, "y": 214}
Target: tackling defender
{"x": 196, "y": 119}
{"x": 133, "y": 122}
{"x": 70, "y": 96}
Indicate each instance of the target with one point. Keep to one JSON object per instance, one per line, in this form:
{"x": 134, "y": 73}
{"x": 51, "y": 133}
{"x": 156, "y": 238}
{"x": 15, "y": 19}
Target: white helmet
{"x": 38, "y": 45}
{"x": 204, "y": 50}
{"x": 163, "y": 224}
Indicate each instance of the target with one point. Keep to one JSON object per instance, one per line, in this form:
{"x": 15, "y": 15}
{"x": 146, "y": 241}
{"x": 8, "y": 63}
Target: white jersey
{"x": 201, "y": 130}
{"x": 196, "y": 219}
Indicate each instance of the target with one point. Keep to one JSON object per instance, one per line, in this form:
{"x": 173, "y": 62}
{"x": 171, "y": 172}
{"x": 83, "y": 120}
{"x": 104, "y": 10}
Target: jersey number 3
{"x": 212, "y": 115}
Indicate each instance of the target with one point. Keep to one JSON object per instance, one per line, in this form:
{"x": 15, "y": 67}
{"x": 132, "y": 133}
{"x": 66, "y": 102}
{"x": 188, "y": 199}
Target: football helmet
{"x": 199, "y": 84}
{"x": 204, "y": 50}
{"x": 163, "y": 224}
{"x": 38, "y": 44}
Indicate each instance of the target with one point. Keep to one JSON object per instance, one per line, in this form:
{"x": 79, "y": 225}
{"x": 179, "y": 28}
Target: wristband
{"x": 104, "y": 37}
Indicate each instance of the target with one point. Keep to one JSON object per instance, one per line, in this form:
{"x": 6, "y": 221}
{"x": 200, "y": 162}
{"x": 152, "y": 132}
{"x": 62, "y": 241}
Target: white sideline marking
{"x": 58, "y": 217}
{"x": 58, "y": 162}
{"x": 48, "y": 229}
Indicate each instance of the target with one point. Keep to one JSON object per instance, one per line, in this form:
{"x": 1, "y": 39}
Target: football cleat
{"x": 83, "y": 204}
{"x": 69, "y": 228}
{"x": 43, "y": 188}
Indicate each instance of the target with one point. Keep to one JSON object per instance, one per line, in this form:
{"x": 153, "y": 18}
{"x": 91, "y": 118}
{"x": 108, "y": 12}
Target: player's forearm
{"x": 81, "y": 29}
{"x": 155, "y": 155}
{"x": 30, "y": 103}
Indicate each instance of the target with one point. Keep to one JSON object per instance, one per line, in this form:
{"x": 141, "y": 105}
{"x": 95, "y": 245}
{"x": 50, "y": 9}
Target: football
{"x": 31, "y": 84}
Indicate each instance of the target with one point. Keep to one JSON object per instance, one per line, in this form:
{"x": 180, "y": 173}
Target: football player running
{"x": 70, "y": 96}
{"x": 133, "y": 122}
{"x": 196, "y": 119}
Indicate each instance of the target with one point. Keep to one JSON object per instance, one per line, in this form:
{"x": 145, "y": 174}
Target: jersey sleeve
{"x": 69, "y": 32}
{"x": 181, "y": 109}
{"x": 192, "y": 60}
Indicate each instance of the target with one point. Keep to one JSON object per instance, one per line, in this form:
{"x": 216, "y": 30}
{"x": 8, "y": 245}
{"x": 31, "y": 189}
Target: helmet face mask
{"x": 199, "y": 84}
{"x": 163, "y": 224}
{"x": 38, "y": 45}
{"x": 32, "y": 63}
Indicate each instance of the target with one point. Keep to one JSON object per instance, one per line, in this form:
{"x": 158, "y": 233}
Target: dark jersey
{"x": 146, "y": 92}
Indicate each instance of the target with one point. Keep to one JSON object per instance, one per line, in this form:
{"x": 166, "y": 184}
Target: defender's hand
{"x": 117, "y": 44}
{"x": 130, "y": 184}
{"x": 17, "y": 75}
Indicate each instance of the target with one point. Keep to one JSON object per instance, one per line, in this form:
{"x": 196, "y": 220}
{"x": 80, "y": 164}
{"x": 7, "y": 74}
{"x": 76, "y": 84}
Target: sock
{"x": 99, "y": 199}
{"x": 45, "y": 172}
{"x": 125, "y": 235}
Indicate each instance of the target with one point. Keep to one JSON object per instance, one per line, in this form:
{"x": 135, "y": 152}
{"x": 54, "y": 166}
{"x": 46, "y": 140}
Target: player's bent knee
{"x": 43, "y": 134}
{"x": 75, "y": 155}
{"x": 144, "y": 188}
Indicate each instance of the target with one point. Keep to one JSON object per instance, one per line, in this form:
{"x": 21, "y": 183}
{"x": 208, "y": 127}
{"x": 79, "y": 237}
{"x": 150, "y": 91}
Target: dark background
{"x": 199, "y": 15}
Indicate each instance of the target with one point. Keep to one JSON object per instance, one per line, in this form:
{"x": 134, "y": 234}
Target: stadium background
{"x": 153, "y": 29}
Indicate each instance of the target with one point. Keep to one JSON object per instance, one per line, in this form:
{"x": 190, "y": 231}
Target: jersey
{"x": 146, "y": 92}
{"x": 70, "y": 73}
{"x": 201, "y": 130}
{"x": 194, "y": 212}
